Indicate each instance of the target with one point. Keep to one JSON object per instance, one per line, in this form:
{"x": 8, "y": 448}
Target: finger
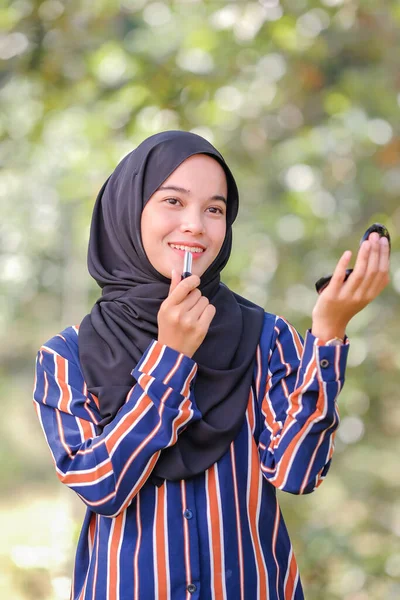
{"x": 357, "y": 276}
{"x": 381, "y": 277}
{"x": 207, "y": 316}
{"x": 197, "y": 308}
{"x": 372, "y": 265}
{"x": 183, "y": 288}
{"x": 190, "y": 301}
{"x": 339, "y": 273}
{"x": 384, "y": 255}
{"x": 175, "y": 279}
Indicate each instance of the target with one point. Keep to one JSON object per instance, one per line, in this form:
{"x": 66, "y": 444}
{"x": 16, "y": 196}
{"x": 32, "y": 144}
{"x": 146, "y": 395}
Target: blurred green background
{"x": 302, "y": 97}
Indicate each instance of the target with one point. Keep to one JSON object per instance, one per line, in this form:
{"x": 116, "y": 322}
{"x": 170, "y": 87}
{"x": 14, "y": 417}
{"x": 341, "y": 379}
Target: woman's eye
{"x": 172, "y": 201}
{"x": 216, "y": 210}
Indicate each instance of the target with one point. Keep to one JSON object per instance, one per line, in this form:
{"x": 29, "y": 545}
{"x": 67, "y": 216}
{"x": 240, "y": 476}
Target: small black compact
{"x": 379, "y": 228}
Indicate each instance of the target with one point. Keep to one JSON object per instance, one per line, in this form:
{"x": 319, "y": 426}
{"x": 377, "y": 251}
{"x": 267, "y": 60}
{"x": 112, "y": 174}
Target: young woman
{"x": 177, "y": 408}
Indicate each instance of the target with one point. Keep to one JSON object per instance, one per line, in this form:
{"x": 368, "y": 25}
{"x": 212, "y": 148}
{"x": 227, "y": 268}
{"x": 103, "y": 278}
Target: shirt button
{"x": 191, "y": 588}
{"x": 324, "y": 363}
{"x": 188, "y": 514}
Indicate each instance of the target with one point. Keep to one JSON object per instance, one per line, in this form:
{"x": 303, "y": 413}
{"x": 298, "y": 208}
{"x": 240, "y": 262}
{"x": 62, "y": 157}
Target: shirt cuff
{"x": 330, "y": 360}
{"x": 172, "y": 368}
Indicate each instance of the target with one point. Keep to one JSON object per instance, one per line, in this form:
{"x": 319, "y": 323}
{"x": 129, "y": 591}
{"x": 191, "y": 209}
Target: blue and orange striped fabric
{"x": 219, "y": 535}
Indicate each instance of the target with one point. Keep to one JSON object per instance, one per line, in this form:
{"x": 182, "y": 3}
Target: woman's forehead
{"x": 198, "y": 170}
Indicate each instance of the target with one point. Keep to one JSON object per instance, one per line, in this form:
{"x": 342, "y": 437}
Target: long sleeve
{"x": 299, "y": 409}
{"x": 107, "y": 470}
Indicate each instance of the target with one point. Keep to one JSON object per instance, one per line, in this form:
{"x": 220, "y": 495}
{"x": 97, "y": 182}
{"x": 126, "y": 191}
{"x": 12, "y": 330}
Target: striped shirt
{"x": 219, "y": 535}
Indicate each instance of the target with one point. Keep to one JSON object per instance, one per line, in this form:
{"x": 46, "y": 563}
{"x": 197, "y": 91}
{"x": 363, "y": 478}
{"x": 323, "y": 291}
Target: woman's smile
{"x": 180, "y": 248}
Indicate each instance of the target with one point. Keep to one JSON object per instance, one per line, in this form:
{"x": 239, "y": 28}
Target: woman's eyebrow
{"x": 183, "y": 191}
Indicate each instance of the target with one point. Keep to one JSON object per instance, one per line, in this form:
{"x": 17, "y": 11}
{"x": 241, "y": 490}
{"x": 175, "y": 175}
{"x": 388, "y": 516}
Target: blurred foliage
{"x": 302, "y": 97}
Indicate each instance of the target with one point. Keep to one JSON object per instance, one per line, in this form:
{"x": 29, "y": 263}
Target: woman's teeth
{"x": 187, "y": 248}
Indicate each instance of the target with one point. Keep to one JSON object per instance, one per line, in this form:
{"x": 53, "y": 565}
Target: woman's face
{"x": 188, "y": 210}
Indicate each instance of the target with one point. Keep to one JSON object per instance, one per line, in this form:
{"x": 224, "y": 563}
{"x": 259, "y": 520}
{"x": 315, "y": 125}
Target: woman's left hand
{"x": 341, "y": 300}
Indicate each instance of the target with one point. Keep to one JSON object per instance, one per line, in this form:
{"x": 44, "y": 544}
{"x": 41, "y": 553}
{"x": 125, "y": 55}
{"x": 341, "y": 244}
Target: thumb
{"x": 175, "y": 279}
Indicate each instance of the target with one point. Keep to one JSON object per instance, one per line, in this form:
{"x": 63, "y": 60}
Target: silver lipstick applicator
{"x": 187, "y": 265}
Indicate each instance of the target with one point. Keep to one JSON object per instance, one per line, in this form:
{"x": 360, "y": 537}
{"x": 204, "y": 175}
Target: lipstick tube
{"x": 187, "y": 265}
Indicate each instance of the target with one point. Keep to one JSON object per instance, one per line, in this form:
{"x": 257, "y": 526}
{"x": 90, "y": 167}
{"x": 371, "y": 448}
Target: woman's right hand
{"x": 184, "y": 316}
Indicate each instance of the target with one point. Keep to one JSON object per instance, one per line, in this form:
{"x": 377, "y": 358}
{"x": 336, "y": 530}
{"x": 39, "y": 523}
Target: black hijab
{"x": 115, "y": 334}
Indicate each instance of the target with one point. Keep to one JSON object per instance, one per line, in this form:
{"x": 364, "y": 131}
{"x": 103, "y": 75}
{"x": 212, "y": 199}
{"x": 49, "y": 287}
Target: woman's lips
{"x": 195, "y": 255}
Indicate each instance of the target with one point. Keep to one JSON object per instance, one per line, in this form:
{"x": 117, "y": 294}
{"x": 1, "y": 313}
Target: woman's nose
{"x": 193, "y": 224}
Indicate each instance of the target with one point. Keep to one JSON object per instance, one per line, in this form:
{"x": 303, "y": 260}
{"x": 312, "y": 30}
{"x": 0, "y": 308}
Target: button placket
{"x": 189, "y": 517}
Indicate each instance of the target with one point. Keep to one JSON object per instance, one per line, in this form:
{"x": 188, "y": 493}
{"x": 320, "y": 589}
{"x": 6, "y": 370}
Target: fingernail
{"x": 384, "y": 241}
